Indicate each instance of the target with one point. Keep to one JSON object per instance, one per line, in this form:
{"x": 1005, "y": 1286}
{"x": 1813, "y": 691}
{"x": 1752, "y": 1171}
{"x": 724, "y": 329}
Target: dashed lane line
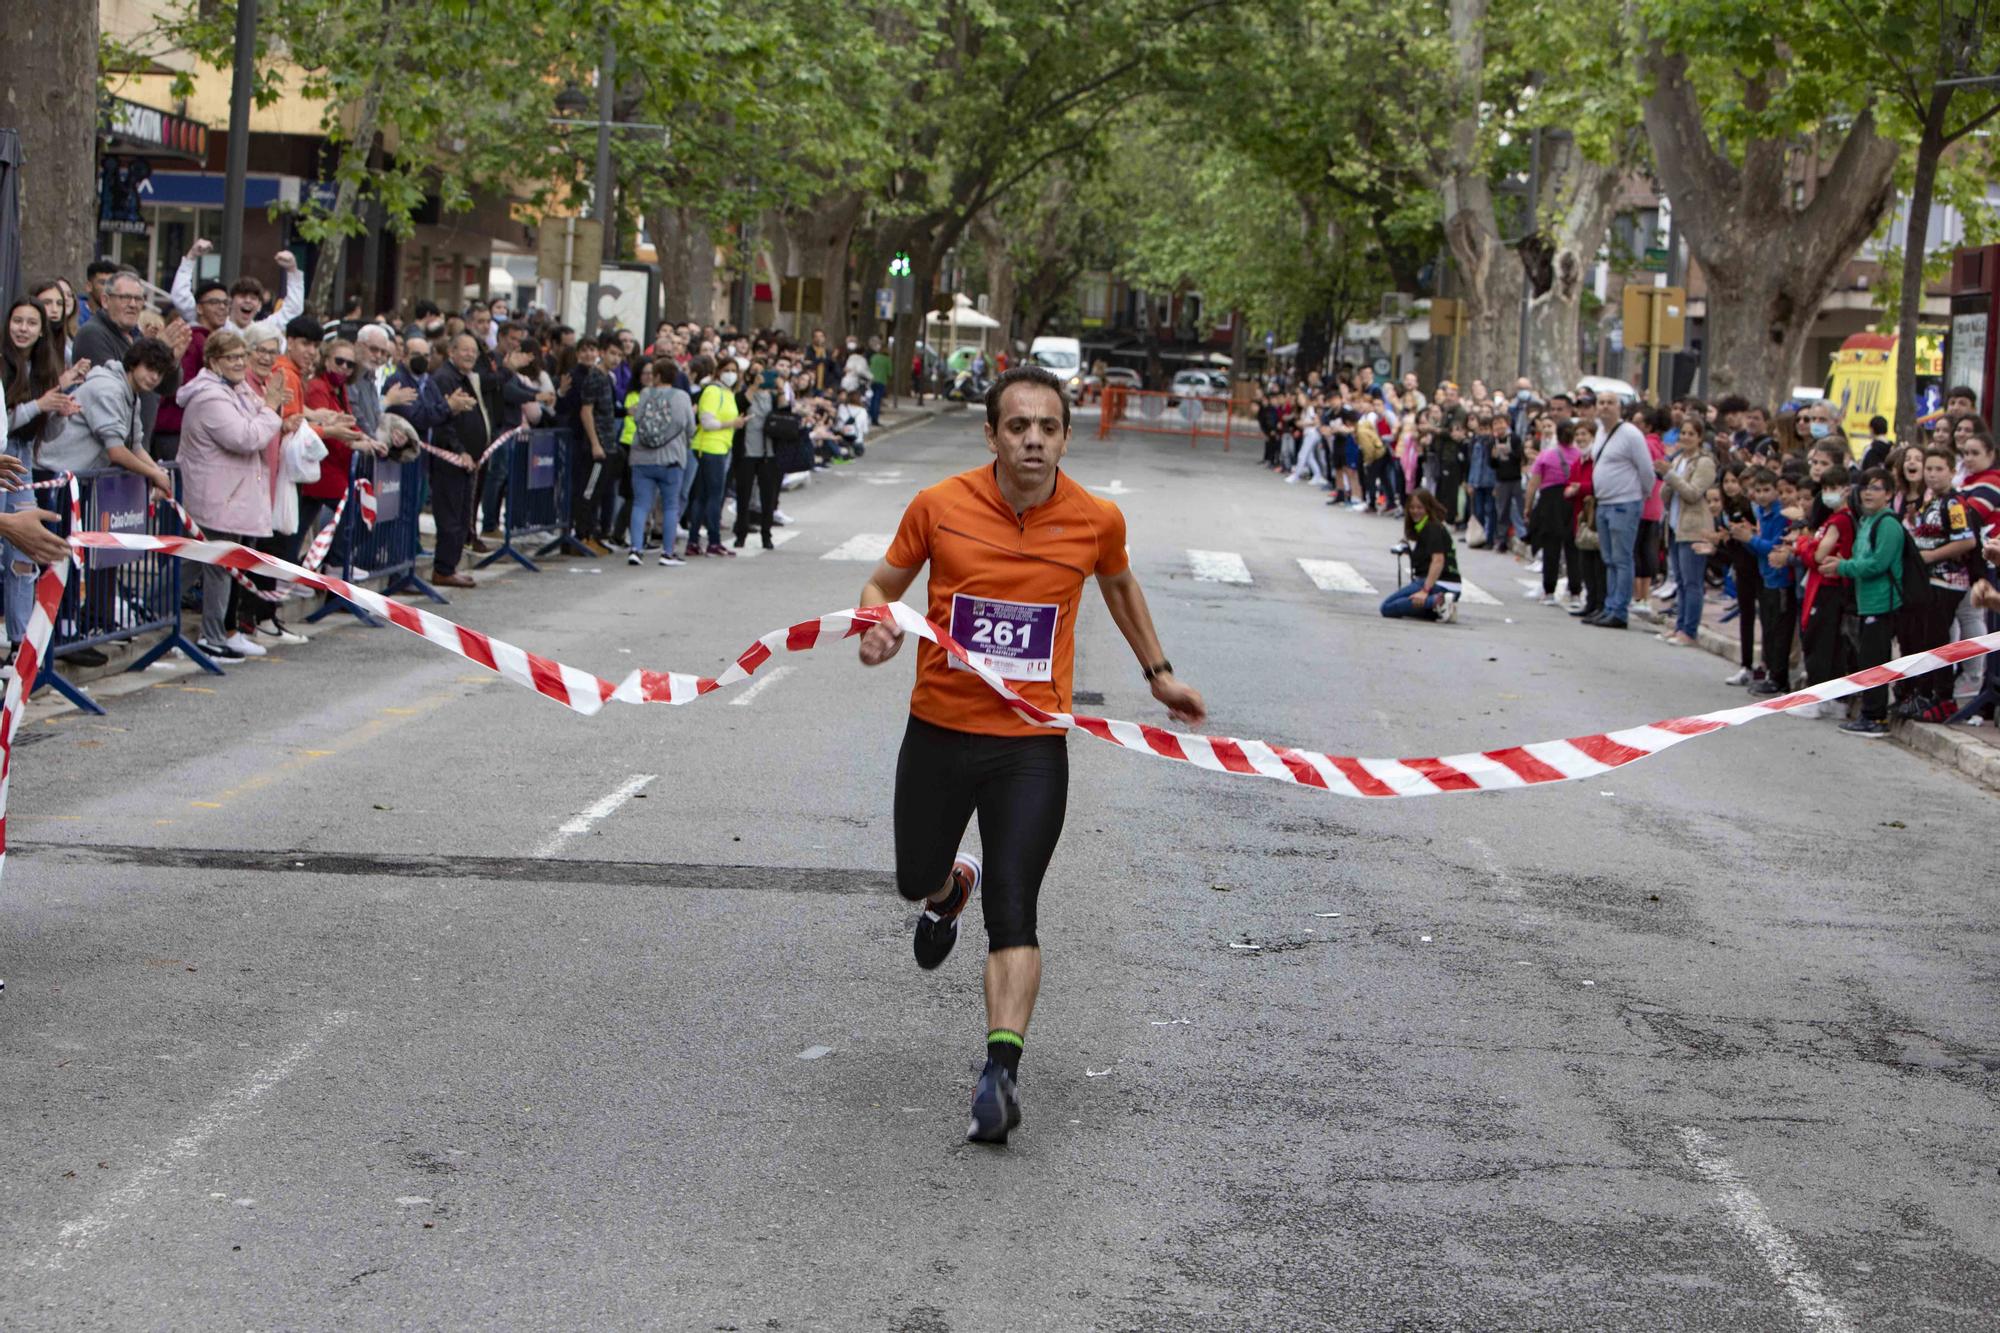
{"x": 1218, "y": 567}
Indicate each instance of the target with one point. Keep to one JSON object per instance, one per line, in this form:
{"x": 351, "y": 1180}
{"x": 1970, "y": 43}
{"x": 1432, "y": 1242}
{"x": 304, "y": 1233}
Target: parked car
{"x": 1193, "y": 384}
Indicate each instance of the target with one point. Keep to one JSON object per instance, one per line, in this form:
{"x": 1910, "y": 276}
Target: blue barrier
{"x": 538, "y": 497}
{"x": 119, "y": 594}
{"x": 391, "y": 548}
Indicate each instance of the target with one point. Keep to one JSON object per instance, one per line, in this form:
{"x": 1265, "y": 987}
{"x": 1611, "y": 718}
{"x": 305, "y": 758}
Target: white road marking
{"x": 593, "y": 812}
{"x": 1219, "y": 567}
{"x": 120, "y": 1201}
{"x": 758, "y": 686}
{"x": 1748, "y": 1214}
{"x": 1336, "y": 576}
{"x": 868, "y": 546}
{"x": 779, "y": 536}
{"x": 1478, "y": 596}
{"x": 1116, "y": 487}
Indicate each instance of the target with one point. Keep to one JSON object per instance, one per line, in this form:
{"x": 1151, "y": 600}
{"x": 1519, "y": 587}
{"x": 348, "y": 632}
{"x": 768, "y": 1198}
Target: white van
{"x": 1064, "y": 356}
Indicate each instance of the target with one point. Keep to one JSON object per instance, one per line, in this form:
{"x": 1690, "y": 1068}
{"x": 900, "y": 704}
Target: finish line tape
{"x": 1516, "y": 766}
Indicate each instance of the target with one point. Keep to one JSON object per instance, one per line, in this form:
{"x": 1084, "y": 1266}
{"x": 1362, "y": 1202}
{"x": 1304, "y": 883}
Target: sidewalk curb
{"x": 1946, "y": 745}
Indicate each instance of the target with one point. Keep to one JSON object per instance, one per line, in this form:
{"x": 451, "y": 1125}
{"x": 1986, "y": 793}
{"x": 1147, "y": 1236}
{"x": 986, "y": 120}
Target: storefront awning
{"x": 132, "y": 130}
{"x": 203, "y": 189}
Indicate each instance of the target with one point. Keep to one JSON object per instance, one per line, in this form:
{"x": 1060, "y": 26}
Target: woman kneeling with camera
{"x": 1432, "y": 592}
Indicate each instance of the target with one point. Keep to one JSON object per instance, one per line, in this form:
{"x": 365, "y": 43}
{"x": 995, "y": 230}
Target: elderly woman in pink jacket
{"x": 226, "y": 428}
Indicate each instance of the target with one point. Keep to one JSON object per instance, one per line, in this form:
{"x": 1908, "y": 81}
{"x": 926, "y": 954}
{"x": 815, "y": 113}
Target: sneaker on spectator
{"x": 1810, "y": 712}
{"x": 1534, "y": 566}
{"x": 1534, "y": 594}
{"x": 277, "y": 631}
{"x": 243, "y": 647}
{"x": 1865, "y": 728}
{"x": 1768, "y": 688}
{"x": 219, "y": 650}
{"x": 633, "y": 558}
{"x": 779, "y": 518}
{"x": 672, "y": 561}
{"x": 1665, "y": 592}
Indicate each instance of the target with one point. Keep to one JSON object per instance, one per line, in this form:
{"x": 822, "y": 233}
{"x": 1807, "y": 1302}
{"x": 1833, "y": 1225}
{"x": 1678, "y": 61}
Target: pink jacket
{"x": 226, "y": 480}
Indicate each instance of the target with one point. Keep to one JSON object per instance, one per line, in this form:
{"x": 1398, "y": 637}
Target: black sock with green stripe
{"x": 1003, "y": 1046}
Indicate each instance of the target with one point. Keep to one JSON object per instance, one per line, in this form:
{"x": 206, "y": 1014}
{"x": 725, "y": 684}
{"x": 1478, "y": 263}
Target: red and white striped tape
{"x": 27, "y": 665}
{"x": 1485, "y": 770}
{"x": 457, "y": 460}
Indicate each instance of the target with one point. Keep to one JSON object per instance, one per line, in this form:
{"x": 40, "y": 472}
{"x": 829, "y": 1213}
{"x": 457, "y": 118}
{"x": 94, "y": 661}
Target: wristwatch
{"x": 1160, "y": 668}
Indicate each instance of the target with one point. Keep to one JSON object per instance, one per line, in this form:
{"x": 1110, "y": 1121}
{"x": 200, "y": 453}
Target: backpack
{"x": 654, "y": 421}
{"x": 1915, "y": 576}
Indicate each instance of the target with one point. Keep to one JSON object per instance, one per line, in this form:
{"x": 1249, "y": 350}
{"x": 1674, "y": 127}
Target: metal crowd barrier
{"x": 391, "y": 549}
{"x": 537, "y": 501}
{"x": 118, "y": 594}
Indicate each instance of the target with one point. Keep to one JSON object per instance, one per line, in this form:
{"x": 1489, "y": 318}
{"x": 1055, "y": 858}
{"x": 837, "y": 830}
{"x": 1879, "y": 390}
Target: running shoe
{"x": 277, "y": 631}
{"x": 996, "y": 1106}
{"x": 937, "y": 926}
{"x": 1741, "y": 677}
{"x": 240, "y": 644}
{"x": 1448, "y": 613}
{"x": 671, "y": 561}
{"x": 221, "y": 650}
{"x": 1866, "y": 728}
{"x": 1767, "y": 688}
{"x": 633, "y": 559}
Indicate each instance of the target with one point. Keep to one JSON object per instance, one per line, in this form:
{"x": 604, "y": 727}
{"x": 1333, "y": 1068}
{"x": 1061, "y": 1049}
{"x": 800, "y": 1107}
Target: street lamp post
{"x": 237, "y": 161}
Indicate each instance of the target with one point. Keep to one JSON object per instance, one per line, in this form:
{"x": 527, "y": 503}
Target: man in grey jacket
{"x": 1621, "y": 479}
{"x": 109, "y": 429}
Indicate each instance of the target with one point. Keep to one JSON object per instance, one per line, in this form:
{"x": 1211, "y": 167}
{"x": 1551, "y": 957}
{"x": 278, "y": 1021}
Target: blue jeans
{"x": 1396, "y": 606}
{"x": 1483, "y": 510}
{"x": 19, "y": 589}
{"x": 1690, "y": 572}
{"x": 1617, "y": 534}
{"x": 711, "y": 472}
{"x": 875, "y": 403}
{"x": 650, "y": 482}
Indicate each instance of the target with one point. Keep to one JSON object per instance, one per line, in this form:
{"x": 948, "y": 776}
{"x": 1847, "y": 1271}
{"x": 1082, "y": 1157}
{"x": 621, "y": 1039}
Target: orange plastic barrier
{"x": 1153, "y": 412}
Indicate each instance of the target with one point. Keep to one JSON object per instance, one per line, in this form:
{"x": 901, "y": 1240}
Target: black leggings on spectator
{"x": 1748, "y": 585}
{"x": 1825, "y": 645}
{"x": 762, "y": 475}
{"x": 1877, "y": 632}
{"x": 1020, "y": 787}
{"x": 1778, "y": 608}
{"x": 1591, "y": 563}
{"x": 1925, "y": 625}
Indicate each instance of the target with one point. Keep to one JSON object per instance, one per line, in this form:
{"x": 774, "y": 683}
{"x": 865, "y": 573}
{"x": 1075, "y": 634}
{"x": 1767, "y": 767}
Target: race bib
{"x": 1014, "y": 640}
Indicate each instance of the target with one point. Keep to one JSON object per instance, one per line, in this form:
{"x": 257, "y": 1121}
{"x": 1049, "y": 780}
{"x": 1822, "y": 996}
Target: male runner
{"x": 1009, "y": 546}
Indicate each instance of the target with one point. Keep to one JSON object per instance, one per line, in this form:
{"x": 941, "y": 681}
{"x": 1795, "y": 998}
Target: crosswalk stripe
{"x": 868, "y": 546}
{"x": 1336, "y": 576}
{"x": 1478, "y": 596}
{"x": 1219, "y": 567}
{"x": 779, "y": 536}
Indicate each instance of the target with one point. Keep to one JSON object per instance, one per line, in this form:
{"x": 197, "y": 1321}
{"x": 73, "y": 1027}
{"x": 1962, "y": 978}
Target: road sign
{"x": 1655, "y": 317}
{"x": 885, "y": 303}
{"x": 569, "y": 249}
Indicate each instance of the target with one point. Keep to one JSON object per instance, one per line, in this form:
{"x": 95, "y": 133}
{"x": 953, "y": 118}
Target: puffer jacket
{"x": 225, "y": 469}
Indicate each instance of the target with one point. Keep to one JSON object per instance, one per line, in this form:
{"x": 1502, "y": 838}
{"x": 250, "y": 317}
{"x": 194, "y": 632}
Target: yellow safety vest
{"x": 719, "y": 403}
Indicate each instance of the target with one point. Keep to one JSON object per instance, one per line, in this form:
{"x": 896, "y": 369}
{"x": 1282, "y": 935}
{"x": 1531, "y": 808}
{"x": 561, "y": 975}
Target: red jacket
{"x": 169, "y": 419}
{"x": 323, "y": 393}
{"x": 1841, "y": 525}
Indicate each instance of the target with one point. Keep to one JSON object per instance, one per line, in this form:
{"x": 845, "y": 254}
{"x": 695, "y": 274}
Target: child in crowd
{"x": 1777, "y": 600}
{"x": 1875, "y": 570}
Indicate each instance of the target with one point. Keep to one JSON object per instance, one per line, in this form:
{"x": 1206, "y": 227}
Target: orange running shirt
{"x": 1007, "y": 588}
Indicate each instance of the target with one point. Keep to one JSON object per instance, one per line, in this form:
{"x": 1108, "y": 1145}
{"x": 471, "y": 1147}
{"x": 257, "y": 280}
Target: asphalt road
{"x": 316, "y": 1017}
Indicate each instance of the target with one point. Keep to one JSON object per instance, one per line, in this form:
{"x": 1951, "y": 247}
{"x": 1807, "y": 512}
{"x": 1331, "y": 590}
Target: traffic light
{"x": 899, "y": 267}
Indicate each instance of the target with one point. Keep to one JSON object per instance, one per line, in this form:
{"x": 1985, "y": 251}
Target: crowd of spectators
{"x": 251, "y": 411}
{"x": 1839, "y": 554}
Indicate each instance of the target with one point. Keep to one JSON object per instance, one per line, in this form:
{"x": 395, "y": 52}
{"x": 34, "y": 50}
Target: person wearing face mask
{"x": 717, "y": 419}
{"x": 854, "y": 371}
{"x": 412, "y": 394}
{"x": 1827, "y": 598}
{"x": 1686, "y": 476}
